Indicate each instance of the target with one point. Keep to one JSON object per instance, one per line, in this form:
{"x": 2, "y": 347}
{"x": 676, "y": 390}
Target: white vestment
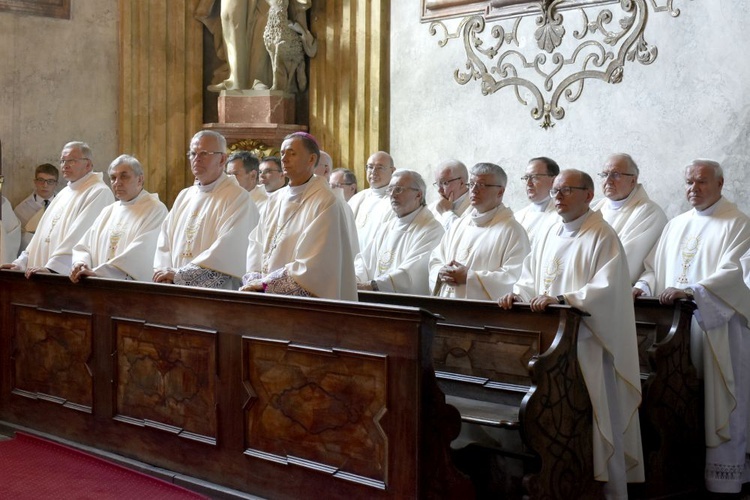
{"x": 30, "y": 212}
{"x": 204, "y": 237}
{"x": 64, "y": 223}
{"x": 398, "y": 257}
{"x": 301, "y": 246}
{"x": 588, "y": 267}
{"x": 259, "y": 196}
{"x": 122, "y": 241}
{"x": 702, "y": 251}
{"x": 371, "y": 208}
{"x": 537, "y": 218}
{"x": 447, "y": 218}
{"x": 10, "y": 235}
{"x": 638, "y": 221}
{"x": 492, "y": 245}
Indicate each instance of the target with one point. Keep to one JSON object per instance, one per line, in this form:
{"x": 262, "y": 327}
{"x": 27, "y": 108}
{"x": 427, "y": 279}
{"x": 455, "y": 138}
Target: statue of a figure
{"x": 238, "y": 28}
{"x": 287, "y": 45}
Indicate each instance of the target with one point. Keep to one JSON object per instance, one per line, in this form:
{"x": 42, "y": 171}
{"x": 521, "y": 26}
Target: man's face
{"x": 246, "y": 179}
{"x": 338, "y": 181}
{"x": 405, "y": 196}
{"x": 619, "y": 181}
{"x": 207, "y": 162}
{"x": 486, "y": 193}
{"x": 45, "y": 185}
{"x": 73, "y": 164}
{"x": 573, "y": 205}
{"x": 298, "y": 163}
{"x": 271, "y": 176}
{"x": 538, "y": 181}
{"x": 125, "y": 184}
{"x": 702, "y": 186}
{"x": 450, "y": 185}
{"x": 379, "y": 170}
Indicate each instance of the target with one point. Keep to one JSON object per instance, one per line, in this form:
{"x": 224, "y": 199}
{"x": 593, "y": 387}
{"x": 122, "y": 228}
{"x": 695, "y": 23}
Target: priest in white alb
{"x": 537, "y": 217}
{"x": 203, "y": 240}
{"x": 68, "y": 217}
{"x": 481, "y": 255}
{"x": 301, "y": 247}
{"x": 245, "y": 167}
{"x": 371, "y": 207}
{"x": 579, "y": 261}
{"x": 698, "y": 257}
{"x": 626, "y": 206}
{"x": 452, "y": 184}
{"x": 397, "y": 258}
{"x": 122, "y": 241}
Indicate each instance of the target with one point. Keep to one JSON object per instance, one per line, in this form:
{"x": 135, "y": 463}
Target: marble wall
{"x": 693, "y": 101}
{"x": 59, "y": 82}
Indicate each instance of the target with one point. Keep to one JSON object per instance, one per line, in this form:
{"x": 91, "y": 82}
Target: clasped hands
{"x": 453, "y": 274}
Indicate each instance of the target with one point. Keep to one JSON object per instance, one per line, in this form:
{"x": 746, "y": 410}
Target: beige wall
{"x": 693, "y": 101}
{"x": 59, "y": 82}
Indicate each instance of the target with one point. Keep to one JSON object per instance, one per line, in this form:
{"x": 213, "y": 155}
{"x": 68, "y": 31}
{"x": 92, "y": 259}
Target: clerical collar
{"x": 137, "y": 197}
{"x": 76, "y": 184}
{"x": 380, "y": 192}
{"x": 210, "y": 187}
{"x": 708, "y": 212}
{"x": 457, "y": 203}
{"x": 296, "y": 192}
{"x": 39, "y": 198}
{"x": 481, "y": 220}
{"x": 618, "y": 204}
{"x": 408, "y": 218}
{"x": 541, "y": 206}
{"x": 572, "y": 227}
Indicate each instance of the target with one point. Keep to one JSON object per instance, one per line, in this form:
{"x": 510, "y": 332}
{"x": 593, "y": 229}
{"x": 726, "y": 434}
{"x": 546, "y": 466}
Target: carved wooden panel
{"x": 490, "y": 352}
{"x": 646, "y": 334}
{"x": 323, "y": 407}
{"x": 51, "y": 356}
{"x": 166, "y": 378}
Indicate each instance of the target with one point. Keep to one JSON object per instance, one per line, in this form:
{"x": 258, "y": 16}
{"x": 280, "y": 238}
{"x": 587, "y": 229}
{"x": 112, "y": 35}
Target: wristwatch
{"x": 689, "y": 292}
{"x": 561, "y": 299}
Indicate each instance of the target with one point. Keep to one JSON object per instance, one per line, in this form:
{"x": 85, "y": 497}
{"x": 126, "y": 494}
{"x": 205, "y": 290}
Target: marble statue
{"x": 287, "y": 45}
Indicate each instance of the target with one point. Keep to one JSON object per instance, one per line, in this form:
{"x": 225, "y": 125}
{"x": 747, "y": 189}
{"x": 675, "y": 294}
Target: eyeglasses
{"x": 269, "y": 170}
{"x": 615, "y": 176}
{"x": 565, "y": 190}
{"x": 64, "y": 162}
{"x": 202, "y": 154}
{"x": 375, "y": 167}
{"x": 49, "y": 182}
{"x": 444, "y": 184}
{"x": 535, "y": 177}
{"x": 341, "y": 184}
{"x": 478, "y": 186}
{"x": 397, "y": 190}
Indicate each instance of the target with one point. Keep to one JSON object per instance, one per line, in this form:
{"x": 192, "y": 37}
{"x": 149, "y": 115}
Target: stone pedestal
{"x": 256, "y": 106}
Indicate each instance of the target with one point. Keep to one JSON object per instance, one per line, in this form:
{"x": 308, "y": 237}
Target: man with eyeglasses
{"x": 68, "y": 217}
{"x": 540, "y": 214}
{"x": 396, "y": 259}
{"x": 271, "y": 175}
{"x": 122, "y": 240}
{"x": 203, "y": 240}
{"x": 637, "y": 219}
{"x": 30, "y": 210}
{"x": 245, "y": 167}
{"x": 302, "y": 247}
{"x": 580, "y": 261}
{"x": 700, "y": 256}
{"x": 481, "y": 255}
{"x": 344, "y": 180}
{"x": 372, "y": 206}
{"x": 451, "y": 178}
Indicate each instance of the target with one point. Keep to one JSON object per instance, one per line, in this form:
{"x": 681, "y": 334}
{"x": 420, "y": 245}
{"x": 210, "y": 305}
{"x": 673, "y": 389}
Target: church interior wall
{"x": 59, "y": 82}
{"x": 691, "y": 102}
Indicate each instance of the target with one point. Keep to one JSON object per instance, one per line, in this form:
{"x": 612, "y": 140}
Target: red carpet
{"x": 34, "y": 468}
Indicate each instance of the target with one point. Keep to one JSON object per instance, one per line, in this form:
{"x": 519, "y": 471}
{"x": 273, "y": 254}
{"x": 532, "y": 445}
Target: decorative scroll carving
{"x": 51, "y": 356}
{"x": 166, "y": 378}
{"x": 258, "y": 148}
{"x": 319, "y": 409}
{"x": 552, "y": 71}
